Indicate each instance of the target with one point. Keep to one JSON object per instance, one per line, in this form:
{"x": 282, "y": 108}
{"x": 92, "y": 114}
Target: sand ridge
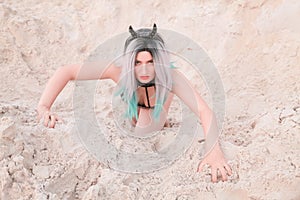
{"x": 255, "y": 46}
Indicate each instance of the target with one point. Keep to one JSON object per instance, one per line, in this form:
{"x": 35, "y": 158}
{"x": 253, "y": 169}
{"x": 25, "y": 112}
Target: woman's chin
{"x": 144, "y": 80}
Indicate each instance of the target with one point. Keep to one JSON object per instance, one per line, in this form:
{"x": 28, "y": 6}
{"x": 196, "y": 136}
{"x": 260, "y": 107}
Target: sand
{"x": 255, "y": 47}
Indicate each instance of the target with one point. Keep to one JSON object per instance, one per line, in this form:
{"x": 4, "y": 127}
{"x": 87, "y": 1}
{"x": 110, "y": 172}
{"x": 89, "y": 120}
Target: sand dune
{"x": 255, "y": 47}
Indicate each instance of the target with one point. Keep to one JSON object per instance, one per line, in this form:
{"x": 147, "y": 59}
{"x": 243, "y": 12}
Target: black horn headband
{"x": 132, "y": 32}
{"x": 151, "y": 35}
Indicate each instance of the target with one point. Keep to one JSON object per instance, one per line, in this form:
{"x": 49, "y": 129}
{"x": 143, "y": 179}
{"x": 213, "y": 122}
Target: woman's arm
{"x": 88, "y": 71}
{"x": 183, "y": 89}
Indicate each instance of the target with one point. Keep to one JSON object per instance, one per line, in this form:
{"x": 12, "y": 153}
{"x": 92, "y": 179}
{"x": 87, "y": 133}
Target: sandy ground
{"x": 255, "y": 46}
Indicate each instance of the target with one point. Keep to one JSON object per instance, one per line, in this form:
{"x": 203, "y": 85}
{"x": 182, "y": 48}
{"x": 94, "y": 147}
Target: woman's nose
{"x": 143, "y": 69}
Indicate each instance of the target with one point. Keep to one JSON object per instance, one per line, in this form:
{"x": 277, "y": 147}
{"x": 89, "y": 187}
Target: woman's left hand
{"x": 216, "y": 160}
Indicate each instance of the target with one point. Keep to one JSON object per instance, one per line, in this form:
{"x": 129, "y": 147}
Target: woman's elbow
{"x": 68, "y": 72}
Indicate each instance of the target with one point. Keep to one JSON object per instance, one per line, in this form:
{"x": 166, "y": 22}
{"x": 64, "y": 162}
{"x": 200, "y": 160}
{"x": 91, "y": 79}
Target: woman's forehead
{"x": 144, "y": 55}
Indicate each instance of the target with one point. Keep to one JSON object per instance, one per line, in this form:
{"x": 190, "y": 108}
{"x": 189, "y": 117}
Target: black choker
{"x": 149, "y": 84}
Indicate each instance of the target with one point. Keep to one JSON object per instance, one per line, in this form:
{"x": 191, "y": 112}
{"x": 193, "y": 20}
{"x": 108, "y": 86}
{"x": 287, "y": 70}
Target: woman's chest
{"x": 146, "y": 96}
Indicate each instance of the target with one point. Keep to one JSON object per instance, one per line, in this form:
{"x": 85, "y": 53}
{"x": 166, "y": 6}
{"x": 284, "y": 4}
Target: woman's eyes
{"x": 140, "y": 63}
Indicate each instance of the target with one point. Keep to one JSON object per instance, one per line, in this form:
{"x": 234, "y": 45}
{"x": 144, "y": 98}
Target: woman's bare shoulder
{"x": 177, "y": 77}
{"x": 180, "y": 81}
{"x": 95, "y": 70}
{"x": 112, "y": 72}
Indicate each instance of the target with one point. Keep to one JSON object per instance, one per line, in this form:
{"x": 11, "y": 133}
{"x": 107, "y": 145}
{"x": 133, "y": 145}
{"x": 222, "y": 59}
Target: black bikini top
{"x": 146, "y": 85}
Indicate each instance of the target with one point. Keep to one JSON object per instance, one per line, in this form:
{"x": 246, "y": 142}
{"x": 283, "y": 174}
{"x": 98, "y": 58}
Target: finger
{"x": 223, "y": 173}
{"x": 46, "y": 119}
{"x": 52, "y": 121}
{"x": 228, "y": 168}
{"x": 200, "y": 167}
{"x": 214, "y": 175}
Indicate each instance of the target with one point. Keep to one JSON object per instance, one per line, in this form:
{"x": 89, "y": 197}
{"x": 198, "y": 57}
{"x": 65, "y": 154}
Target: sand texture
{"x": 255, "y": 46}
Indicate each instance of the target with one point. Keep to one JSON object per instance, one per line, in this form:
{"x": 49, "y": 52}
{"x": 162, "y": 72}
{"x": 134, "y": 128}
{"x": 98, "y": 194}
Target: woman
{"x": 147, "y": 84}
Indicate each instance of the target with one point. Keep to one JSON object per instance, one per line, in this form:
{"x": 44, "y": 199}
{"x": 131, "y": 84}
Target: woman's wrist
{"x": 209, "y": 146}
{"x": 42, "y": 108}
{"x": 40, "y": 105}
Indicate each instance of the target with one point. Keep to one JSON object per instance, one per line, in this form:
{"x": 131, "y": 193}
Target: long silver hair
{"x": 145, "y": 40}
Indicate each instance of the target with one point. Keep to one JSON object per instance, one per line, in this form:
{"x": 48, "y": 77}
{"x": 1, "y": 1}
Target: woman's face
{"x": 144, "y": 67}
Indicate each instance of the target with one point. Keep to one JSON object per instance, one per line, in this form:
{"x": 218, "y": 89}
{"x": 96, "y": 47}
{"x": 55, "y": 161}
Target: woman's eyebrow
{"x": 151, "y": 60}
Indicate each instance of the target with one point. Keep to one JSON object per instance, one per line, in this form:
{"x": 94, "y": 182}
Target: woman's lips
{"x": 144, "y": 77}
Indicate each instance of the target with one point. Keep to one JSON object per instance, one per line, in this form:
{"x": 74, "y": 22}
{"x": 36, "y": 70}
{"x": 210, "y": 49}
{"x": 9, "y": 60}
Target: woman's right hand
{"x": 49, "y": 119}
